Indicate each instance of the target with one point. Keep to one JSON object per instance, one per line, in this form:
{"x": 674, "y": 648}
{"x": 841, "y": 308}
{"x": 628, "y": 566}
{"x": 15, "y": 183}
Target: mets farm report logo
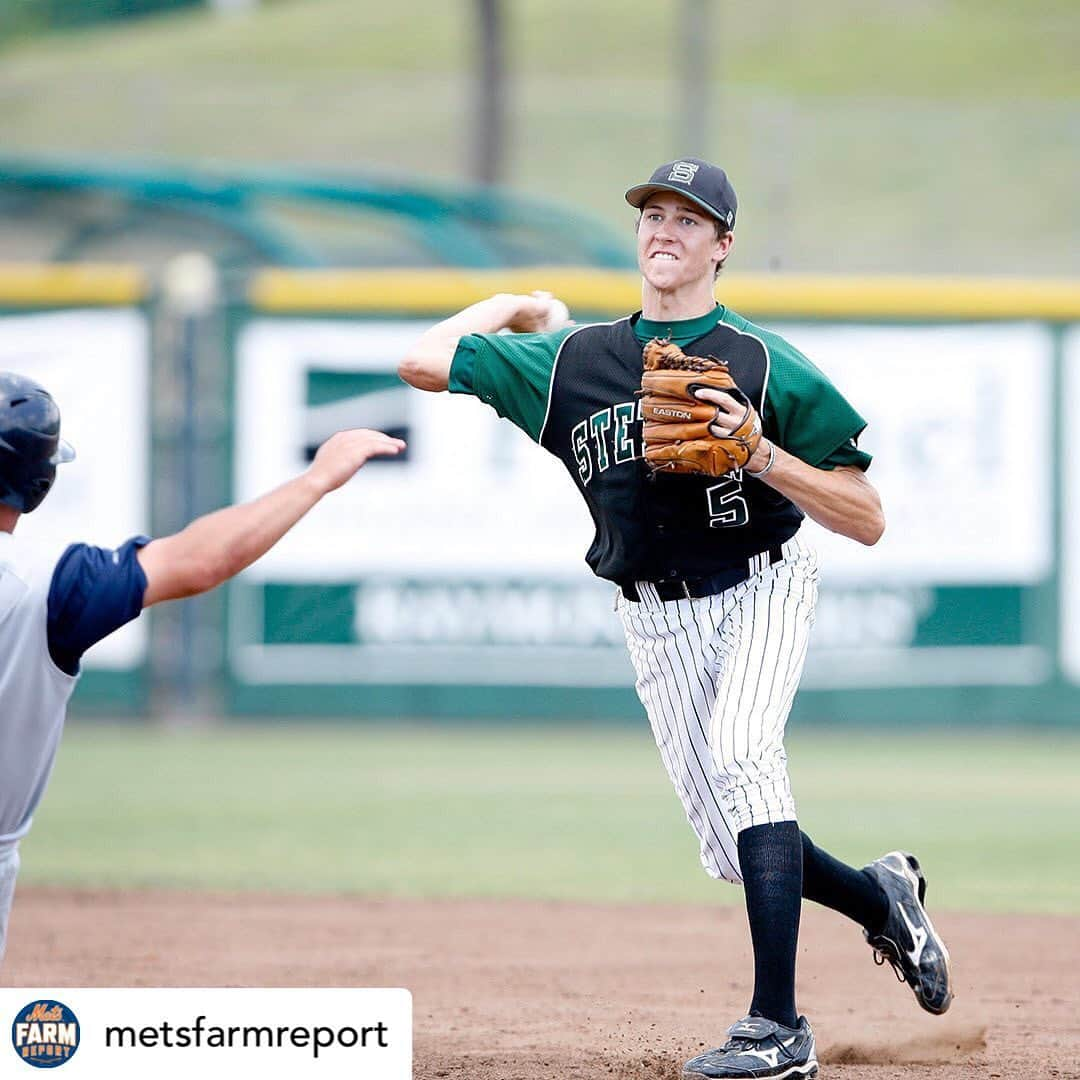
{"x": 45, "y": 1034}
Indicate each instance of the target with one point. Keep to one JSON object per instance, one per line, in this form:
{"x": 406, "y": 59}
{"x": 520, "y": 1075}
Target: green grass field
{"x": 887, "y": 136}
{"x": 559, "y": 813}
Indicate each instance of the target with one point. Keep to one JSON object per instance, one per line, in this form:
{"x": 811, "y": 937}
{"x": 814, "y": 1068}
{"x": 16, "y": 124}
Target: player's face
{"x": 677, "y": 242}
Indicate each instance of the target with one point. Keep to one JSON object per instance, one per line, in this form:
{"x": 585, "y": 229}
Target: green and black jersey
{"x": 574, "y": 392}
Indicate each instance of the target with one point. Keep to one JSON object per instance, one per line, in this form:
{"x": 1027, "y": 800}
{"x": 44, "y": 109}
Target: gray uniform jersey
{"x": 34, "y": 692}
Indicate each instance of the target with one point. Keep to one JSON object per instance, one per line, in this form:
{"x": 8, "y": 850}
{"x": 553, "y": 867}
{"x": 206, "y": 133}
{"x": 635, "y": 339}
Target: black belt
{"x": 695, "y": 588}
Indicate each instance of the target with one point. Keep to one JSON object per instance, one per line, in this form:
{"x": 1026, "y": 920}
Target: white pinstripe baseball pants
{"x": 717, "y": 677}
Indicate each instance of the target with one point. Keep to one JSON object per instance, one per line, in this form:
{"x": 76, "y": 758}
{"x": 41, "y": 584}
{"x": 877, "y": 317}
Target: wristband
{"x": 768, "y": 464}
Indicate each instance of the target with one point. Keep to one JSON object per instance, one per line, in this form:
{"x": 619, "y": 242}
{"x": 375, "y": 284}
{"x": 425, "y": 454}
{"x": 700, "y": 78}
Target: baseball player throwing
{"x": 697, "y": 525}
{"x": 53, "y": 608}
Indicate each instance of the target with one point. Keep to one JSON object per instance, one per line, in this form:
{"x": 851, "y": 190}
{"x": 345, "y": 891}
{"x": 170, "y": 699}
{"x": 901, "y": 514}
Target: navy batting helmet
{"x": 30, "y": 443}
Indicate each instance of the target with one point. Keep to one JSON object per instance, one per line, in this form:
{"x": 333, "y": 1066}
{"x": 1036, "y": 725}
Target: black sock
{"x": 852, "y": 892}
{"x": 770, "y": 857}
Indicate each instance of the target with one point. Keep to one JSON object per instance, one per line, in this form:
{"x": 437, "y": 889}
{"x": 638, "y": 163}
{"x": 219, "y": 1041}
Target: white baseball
{"x": 558, "y": 314}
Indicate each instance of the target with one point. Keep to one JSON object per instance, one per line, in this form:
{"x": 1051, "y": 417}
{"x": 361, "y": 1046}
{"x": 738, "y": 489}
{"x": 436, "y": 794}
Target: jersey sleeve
{"x": 509, "y": 372}
{"x": 93, "y": 592}
{"x": 808, "y": 416}
{"x": 848, "y": 454}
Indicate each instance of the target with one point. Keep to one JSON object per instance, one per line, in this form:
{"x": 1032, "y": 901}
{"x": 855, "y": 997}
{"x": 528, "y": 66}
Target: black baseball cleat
{"x": 908, "y": 939}
{"x": 758, "y": 1047}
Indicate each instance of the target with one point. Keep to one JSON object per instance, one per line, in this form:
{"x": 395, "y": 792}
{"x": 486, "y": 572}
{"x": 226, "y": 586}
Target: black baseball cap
{"x": 702, "y": 183}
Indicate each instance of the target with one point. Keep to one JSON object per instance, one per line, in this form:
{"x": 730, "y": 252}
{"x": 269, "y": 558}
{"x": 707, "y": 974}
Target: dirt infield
{"x": 522, "y": 990}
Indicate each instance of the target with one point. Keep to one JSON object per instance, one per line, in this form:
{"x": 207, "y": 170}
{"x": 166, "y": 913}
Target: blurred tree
{"x": 692, "y": 42}
{"x": 489, "y": 112}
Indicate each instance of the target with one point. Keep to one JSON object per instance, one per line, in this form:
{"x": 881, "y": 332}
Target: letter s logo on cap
{"x": 683, "y": 172}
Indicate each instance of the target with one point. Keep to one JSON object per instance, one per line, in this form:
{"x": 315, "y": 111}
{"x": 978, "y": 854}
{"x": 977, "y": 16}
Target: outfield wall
{"x": 451, "y": 581}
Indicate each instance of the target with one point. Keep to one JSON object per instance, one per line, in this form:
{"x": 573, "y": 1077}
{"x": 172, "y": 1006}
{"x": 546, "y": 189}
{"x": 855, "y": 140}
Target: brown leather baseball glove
{"x": 677, "y": 435}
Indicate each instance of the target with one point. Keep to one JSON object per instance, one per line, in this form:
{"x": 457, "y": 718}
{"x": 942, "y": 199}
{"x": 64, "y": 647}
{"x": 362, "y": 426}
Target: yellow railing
{"x": 599, "y": 292}
{"x": 74, "y": 285}
{"x": 595, "y": 292}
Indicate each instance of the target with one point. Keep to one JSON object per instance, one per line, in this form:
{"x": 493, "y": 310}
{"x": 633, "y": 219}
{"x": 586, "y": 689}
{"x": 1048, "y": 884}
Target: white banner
{"x": 957, "y": 416}
{"x": 214, "y": 1034}
{"x": 96, "y": 364}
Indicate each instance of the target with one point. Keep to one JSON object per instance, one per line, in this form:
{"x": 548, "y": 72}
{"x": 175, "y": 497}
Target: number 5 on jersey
{"x": 727, "y": 507}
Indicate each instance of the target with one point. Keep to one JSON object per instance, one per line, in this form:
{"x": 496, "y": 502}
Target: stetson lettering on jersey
{"x": 610, "y": 436}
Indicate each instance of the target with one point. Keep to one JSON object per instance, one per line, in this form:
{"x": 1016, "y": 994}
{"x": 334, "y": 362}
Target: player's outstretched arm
{"x": 842, "y": 500}
{"x": 427, "y": 364}
{"x": 215, "y": 547}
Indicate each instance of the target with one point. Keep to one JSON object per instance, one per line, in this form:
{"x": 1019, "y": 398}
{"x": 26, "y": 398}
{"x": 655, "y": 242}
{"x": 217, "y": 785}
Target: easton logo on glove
{"x": 677, "y": 432}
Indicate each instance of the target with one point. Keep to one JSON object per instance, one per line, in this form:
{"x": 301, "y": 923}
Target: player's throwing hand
{"x": 539, "y": 312}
